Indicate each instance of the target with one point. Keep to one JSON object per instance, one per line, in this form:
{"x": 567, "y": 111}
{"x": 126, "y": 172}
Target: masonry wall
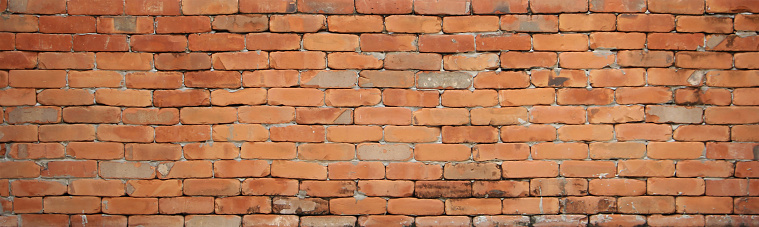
{"x": 379, "y": 112}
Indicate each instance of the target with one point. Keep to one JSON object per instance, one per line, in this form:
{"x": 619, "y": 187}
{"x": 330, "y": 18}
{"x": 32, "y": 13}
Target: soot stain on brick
{"x": 125, "y": 24}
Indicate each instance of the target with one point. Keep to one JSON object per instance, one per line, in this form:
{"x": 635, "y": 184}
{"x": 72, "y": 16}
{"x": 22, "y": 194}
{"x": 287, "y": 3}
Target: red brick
{"x": 646, "y": 168}
{"x": 442, "y": 152}
{"x": 615, "y": 40}
{"x": 250, "y": 96}
{"x": 200, "y": 7}
{"x": 298, "y": 60}
{"x": 645, "y": 22}
{"x": 676, "y": 220}
{"x": 28, "y": 188}
{"x": 470, "y": 134}
{"x": 126, "y": 205}
{"x": 501, "y": 151}
{"x": 560, "y": 42}
{"x": 267, "y": 6}
{"x": 550, "y": 6}
{"x": 727, "y": 187}
{"x": 213, "y": 79}
{"x": 731, "y": 115}
{"x": 349, "y": 60}
{"x": 528, "y": 133}
{"x": 433, "y": 116}
{"x": 153, "y": 7}
{"x": 18, "y": 60}
{"x": 413, "y": 24}
{"x": 19, "y": 133}
{"x": 299, "y": 170}
{"x": 562, "y": 78}
{"x": 182, "y": 24}
{"x": 240, "y": 169}
{"x": 643, "y": 95}
{"x": 675, "y": 186}
{"x": 384, "y": 152}
{"x": 732, "y": 78}
{"x": 154, "y": 188}
{"x": 100, "y": 78}
{"x": 414, "y": 171}
{"x": 503, "y": 42}
{"x": 98, "y": 219}
{"x": 559, "y": 151}
{"x": 675, "y": 77}
{"x": 182, "y": 61}
{"x": 528, "y": 59}
{"x": 152, "y": 152}
{"x": 8, "y": 41}
{"x": 472, "y": 206}
{"x": 421, "y": 61}
{"x": 186, "y": 205}
{"x": 132, "y": 98}
{"x": 158, "y": 43}
{"x": 95, "y": 7}
{"x": 744, "y": 60}
{"x": 96, "y": 187}
{"x": 298, "y": 133}
{"x": 70, "y": 169}
{"x": 448, "y": 189}
{"x": 588, "y": 205}
{"x": 243, "y": 205}
{"x": 212, "y": 187}
{"x": 269, "y": 186}
{"x": 470, "y": 63}
{"x": 701, "y": 133}
{"x": 36, "y": 151}
{"x": 445, "y": 7}
{"x": 178, "y": 98}
{"x": 158, "y": 220}
{"x": 327, "y": 220}
{"x": 328, "y": 79}
{"x": 371, "y": 205}
{"x": 328, "y": 188}
{"x": 297, "y": 23}
{"x": 714, "y": 96}
{"x": 675, "y": 150}
{"x": 702, "y": 60}
{"x": 34, "y": 6}
{"x": 52, "y": 220}
{"x": 558, "y": 187}
{"x": 124, "y": 61}
{"x": 676, "y": 7}
{"x": 241, "y": 23}
{"x": 744, "y": 133}
{"x": 675, "y": 41}
{"x": 446, "y": 43}
{"x": 270, "y": 78}
{"x": 19, "y": 97}
{"x": 97, "y": 151}
{"x": 386, "y": 188}
{"x": 746, "y": 205}
{"x": 530, "y": 206}
{"x": 646, "y": 204}
{"x": 352, "y": 97}
{"x": 354, "y": 133}
{"x": 707, "y": 24}
{"x": 66, "y": 60}
{"x": 384, "y": 7}
{"x": 479, "y": 171}
{"x": 165, "y": 116}
{"x": 125, "y": 133}
{"x": 43, "y": 42}
{"x": 182, "y": 133}
{"x": 239, "y": 61}
{"x": 37, "y": 78}
{"x": 154, "y": 80}
{"x": 587, "y": 22}
{"x": 126, "y": 170}
{"x": 72, "y": 24}
{"x": 739, "y": 6}
{"x": 499, "y": 6}
{"x": 463, "y": 24}
{"x": 185, "y": 169}
{"x": 617, "y": 187}
{"x": 746, "y": 22}
{"x": 383, "y": 116}
{"x": 620, "y": 6}
{"x": 74, "y": 132}
{"x": 696, "y": 168}
{"x": 411, "y": 134}
{"x": 98, "y": 42}
{"x": 32, "y": 114}
{"x": 704, "y": 205}
{"x": 385, "y": 220}
{"x": 400, "y": 97}
{"x": 216, "y": 42}
{"x": 326, "y": 6}
{"x": 19, "y": 23}
{"x": 530, "y": 23}
{"x": 221, "y": 150}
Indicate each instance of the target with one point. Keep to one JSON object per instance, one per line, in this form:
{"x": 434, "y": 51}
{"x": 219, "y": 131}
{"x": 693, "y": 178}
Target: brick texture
{"x": 379, "y": 113}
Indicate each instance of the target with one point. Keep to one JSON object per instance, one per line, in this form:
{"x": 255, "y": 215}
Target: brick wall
{"x": 379, "y": 112}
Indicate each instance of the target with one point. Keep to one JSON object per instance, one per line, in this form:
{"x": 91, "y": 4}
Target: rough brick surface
{"x": 379, "y": 112}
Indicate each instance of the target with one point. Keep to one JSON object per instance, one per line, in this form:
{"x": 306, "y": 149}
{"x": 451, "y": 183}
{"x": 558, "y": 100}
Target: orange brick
{"x": 384, "y": 152}
{"x": 298, "y": 60}
{"x": 99, "y": 42}
{"x": 695, "y": 168}
{"x": 676, "y": 7}
{"x": 241, "y": 23}
{"x": 499, "y": 6}
{"x": 154, "y": 188}
{"x": 242, "y": 205}
{"x": 581, "y": 96}
{"x": 266, "y": 114}
{"x": 240, "y": 169}
{"x": 354, "y": 133}
{"x": 704, "y": 205}
{"x": 131, "y": 98}
{"x": 383, "y": 116}
{"x": 28, "y": 188}
{"x": 188, "y": 205}
{"x": 411, "y": 134}
{"x": 675, "y": 186}
{"x": 675, "y": 150}
{"x": 646, "y": 204}
{"x": 501, "y": 151}
{"x": 617, "y": 6}
{"x": 267, "y": 6}
{"x": 643, "y": 95}
{"x": 530, "y": 206}
{"x": 43, "y": 42}
{"x": 560, "y": 42}
{"x": 667, "y": 41}
{"x": 96, "y": 187}
{"x": 37, "y": 78}
{"x": 413, "y": 206}
{"x": 66, "y": 60}
{"x": 472, "y": 206}
{"x": 483, "y": 98}
{"x": 701, "y": 133}
{"x": 178, "y": 98}
{"x": 730, "y": 7}
{"x": 221, "y": 150}
{"x": 559, "y": 151}
{"x": 446, "y": 7}
{"x": 442, "y": 152}
{"x": 615, "y": 40}
{"x": 550, "y": 6}
{"x": 387, "y": 42}
{"x": 588, "y": 205}
{"x": 528, "y": 133}
{"x": 413, "y": 24}
{"x": 124, "y": 61}
{"x": 479, "y": 171}
{"x": 371, "y": 205}
{"x": 272, "y": 41}
{"x": 212, "y": 187}
{"x": 400, "y": 97}
{"x": 97, "y": 151}
{"x": 558, "y": 187}
{"x": 470, "y": 63}
{"x": 645, "y": 22}
{"x": 269, "y": 186}
{"x": 327, "y": 151}
{"x": 617, "y": 187}
{"x": 149, "y": 152}
{"x": 158, "y": 43}
{"x": 154, "y": 80}
{"x": 33, "y": 114}
{"x": 164, "y": 116}
{"x": 153, "y": 7}
{"x": 182, "y": 133}
{"x": 701, "y": 60}
{"x": 414, "y": 171}
{"x": 559, "y": 78}
{"x": 646, "y": 168}
{"x": 36, "y": 151}
{"x": 125, "y": 133}
{"x": 216, "y": 42}
{"x": 448, "y": 189}
{"x": 421, "y": 61}
{"x": 300, "y": 170}
{"x": 352, "y": 97}
{"x": 70, "y": 169}
{"x": 470, "y": 134}
{"x": 707, "y": 24}
{"x": 391, "y": 79}
{"x": 126, "y": 170}
{"x": 446, "y": 43}
{"x": 74, "y": 132}
{"x": 530, "y": 23}
{"x": 297, "y": 23}
{"x": 587, "y": 22}
{"x": 298, "y": 133}
{"x": 463, "y": 24}
{"x": 195, "y": 7}
{"x": 20, "y": 23}
{"x": 182, "y": 61}
{"x": 356, "y": 24}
